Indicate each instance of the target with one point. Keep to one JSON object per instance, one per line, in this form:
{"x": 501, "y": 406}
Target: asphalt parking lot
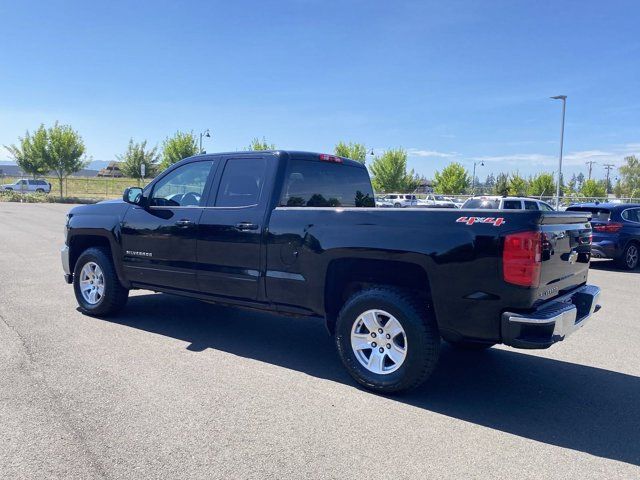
{"x": 175, "y": 388}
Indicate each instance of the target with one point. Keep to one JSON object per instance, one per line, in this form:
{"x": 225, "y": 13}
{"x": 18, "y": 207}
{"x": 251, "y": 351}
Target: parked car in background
{"x": 616, "y": 231}
{"x": 25, "y": 185}
{"x": 383, "y": 202}
{"x": 402, "y": 200}
{"x": 436, "y": 201}
{"x": 507, "y": 203}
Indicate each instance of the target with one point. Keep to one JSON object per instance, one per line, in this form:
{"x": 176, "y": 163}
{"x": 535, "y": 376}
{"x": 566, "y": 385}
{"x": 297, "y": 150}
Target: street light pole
{"x": 564, "y": 105}
{"x": 206, "y": 134}
{"x": 473, "y": 180}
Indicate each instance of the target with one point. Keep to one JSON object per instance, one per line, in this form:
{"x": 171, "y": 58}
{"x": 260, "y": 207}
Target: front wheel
{"x": 630, "y": 256}
{"x": 96, "y": 285}
{"x": 39, "y": 190}
{"x": 387, "y": 339}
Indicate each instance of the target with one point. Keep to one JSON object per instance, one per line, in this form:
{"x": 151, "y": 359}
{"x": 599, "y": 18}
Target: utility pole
{"x": 564, "y": 107}
{"x": 590, "y": 163}
{"x": 608, "y": 167}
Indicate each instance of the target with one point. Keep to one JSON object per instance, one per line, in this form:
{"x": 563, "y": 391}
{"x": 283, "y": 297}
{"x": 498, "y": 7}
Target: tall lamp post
{"x": 203, "y": 134}
{"x": 473, "y": 180}
{"x": 564, "y": 106}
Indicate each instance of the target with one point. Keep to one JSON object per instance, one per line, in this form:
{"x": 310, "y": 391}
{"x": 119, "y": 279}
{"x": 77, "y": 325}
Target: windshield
{"x": 483, "y": 203}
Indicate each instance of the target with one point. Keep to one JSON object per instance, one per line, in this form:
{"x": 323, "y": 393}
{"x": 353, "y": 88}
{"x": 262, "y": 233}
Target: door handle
{"x": 184, "y": 223}
{"x": 246, "y": 226}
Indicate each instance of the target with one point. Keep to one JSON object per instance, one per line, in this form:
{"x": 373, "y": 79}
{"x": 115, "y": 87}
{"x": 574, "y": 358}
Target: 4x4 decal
{"x": 495, "y": 221}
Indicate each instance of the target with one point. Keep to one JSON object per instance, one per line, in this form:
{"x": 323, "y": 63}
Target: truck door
{"x": 229, "y": 246}
{"x": 159, "y": 240}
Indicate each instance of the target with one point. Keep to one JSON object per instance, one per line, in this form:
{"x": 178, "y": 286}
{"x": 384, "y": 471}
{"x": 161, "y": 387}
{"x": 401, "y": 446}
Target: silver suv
{"x": 27, "y": 185}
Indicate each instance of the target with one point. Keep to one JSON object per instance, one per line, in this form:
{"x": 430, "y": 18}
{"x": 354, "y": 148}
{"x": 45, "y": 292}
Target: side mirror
{"x": 133, "y": 195}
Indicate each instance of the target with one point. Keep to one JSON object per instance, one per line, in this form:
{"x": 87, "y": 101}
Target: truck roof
{"x": 291, "y": 153}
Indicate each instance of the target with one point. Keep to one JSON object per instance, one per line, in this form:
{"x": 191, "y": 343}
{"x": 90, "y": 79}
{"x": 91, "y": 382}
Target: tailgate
{"x": 566, "y": 251}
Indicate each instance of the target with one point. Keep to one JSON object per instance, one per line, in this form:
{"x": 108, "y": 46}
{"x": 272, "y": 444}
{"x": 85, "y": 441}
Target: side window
{"x": 182, "y": 187}
{"x": 528, "y": 205}
{"x": 544, "y": 207}
{"x": 242, "y": 182}
{"x": 632, "y": 215}
{"x": 22, "y": 182}
{"x": 512, "y": 205}
{"x": 324, "y": 184}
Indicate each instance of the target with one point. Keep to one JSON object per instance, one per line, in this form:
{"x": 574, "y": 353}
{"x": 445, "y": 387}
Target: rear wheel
{"x": 630, "y": 257}
{"x": 39, "y": 190}
{"x": 96, "y": 285}
{"x": 387, "y": 339}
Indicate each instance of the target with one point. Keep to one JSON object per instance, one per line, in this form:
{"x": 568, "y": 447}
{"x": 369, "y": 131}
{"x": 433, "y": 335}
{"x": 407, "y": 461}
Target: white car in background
{"x": 402, "y": 200}
{"x": 436, "y": 201}
{"x": 506, "y": 203}
{"x": 27, "y": 185}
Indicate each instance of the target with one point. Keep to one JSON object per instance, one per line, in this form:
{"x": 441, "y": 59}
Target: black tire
{"x": 629, "y": 258}
{"x": 115, "y": 295}
{"x": 39, "y": 190}
{"x": 8, "y": 189}
{"x": 397, "y": 205}
{"x": 421, "y": 330}
{"x": 470, "y": 346}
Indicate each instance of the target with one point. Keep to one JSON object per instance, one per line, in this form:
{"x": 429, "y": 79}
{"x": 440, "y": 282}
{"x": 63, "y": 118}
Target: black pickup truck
{"x": 297, "y": 233}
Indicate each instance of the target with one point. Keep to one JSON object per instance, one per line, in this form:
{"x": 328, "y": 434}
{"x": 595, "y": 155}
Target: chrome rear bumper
{"x": 553, "y": 321}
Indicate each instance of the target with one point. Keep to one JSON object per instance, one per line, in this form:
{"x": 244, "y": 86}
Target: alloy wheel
{"x": 379, "y": 342}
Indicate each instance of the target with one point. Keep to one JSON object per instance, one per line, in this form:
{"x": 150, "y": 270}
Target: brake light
{"x": 330, "y": 158}
{"x": 521, "y": 258}
{"x": 611, "y": 227}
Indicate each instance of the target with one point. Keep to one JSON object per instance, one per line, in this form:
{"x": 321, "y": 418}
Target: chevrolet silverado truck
{"x": 298, "y": 234}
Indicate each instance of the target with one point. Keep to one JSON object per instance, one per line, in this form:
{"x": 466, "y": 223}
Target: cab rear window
{"x": 325, "y": 184}
{"x": 482, "y": 203}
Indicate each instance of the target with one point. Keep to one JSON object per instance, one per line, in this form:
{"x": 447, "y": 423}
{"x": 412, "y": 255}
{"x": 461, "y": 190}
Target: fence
{"x": 88, "y": 187}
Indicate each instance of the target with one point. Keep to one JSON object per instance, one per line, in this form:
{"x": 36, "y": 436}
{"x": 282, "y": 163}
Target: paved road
{"x": 174, "y": 388}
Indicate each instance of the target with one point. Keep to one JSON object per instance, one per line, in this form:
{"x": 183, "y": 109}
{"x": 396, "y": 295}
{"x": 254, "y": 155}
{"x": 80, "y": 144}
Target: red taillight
{"x": 521, "y": 258}
{"x": 611, "y": 227}
{"x": 330, "y": 158}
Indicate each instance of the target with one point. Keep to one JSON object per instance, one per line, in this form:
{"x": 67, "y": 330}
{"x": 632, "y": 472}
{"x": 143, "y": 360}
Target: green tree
{"x": 571, "y": 187}
{"x": 502, "y": 185}
{"x": 618, "y": 189}
{"x": 490, "y": 182}
{"x": 390, "y": 174}
{"x": 257, "y": 144}
{"x": 453, "y": 179}
{"x": 65, "y": 152}
{"x": 135, "y": 156}
{"x": 630, "y": 173}
{"x": 174, "y": 149}
{"x": 31, "y": 154}
{"x": 541, "y": 184}
{"x": 354, "y": 151}
{"x": 517, "y": 185}
{"x": 593, "y": 188}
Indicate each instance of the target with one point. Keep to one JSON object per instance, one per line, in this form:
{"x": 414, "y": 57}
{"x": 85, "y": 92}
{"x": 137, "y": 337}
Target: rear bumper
{"x": 604, "y": 249}
{"x": 64, "y": 256}
{"x": 553, "y": 321}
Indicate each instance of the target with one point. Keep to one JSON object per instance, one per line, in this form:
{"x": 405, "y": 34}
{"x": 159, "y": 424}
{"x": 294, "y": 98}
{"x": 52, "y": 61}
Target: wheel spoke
{"x": 376, "y": 361}
{"x": 370, "y": 321}
{"x": 393, "y": 327}
{"x": 360, "y": 341}
{"x": 396, "y": 353}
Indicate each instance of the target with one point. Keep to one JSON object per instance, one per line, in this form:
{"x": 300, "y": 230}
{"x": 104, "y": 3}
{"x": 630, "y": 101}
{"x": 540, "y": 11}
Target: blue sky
{"x": 448, "y": 81}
